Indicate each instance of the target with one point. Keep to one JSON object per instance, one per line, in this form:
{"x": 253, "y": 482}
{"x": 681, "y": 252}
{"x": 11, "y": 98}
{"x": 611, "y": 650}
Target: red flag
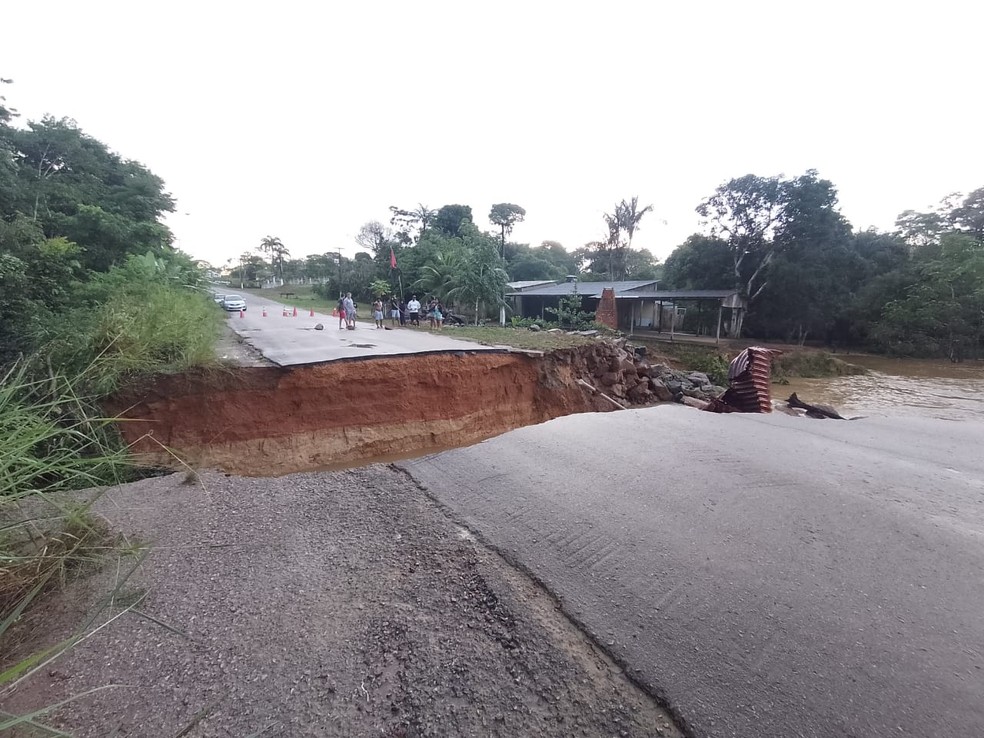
{"x": 392, "y": 259}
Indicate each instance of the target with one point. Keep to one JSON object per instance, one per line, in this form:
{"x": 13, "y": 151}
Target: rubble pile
{"x": 626, "y": 375}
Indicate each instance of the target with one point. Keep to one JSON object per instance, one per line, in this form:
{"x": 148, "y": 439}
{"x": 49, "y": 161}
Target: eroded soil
{"x": 276, "y": 420}
{"x": 322, "y": 604}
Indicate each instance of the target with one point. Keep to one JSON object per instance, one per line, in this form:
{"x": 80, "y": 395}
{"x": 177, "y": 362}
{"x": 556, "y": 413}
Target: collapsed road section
{"x": 266, "y": 421}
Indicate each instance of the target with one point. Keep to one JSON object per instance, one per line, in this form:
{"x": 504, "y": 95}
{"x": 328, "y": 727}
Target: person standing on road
{"x": 349, "y": 306}
{"x": 341, "y": 312}
{"x": 395, "y": 314}
{"x": 377, "y": 313}
{"x": 439, "y": 315}
{"x": 413, "y": 307}
{"x": 432, "y": 312}
{"x": 403, "y": 312}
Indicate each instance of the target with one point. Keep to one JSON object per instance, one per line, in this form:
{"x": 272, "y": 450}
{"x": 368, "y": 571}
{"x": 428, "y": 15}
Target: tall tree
{"x": 629, "y": 214}
{"x": 451, "y": 218}
{"x": 622, "y": 225}
{"x": 744, "y": 212}
{"x": 373, "y": 236}
{"x": 968, "y": 216}
{"x": 942, "y": 311}
{"x": 506, "y": 215}
{"x": 410, "y": 225}
{"x": 273, "y": 246}
{"x": 75, "y": 187}
{"x": 700, "y": 263}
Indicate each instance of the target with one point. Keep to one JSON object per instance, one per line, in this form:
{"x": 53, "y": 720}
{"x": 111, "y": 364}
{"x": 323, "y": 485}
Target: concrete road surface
{"x": 768, "y": 575}
{"x": 289, "y": 340}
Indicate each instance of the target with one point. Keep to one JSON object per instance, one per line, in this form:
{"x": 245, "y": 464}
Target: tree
{"x": 379, "y": 287}
{"x": 278, "y": 252}
{"x": 629, "y": 214}
{"x": 451, "y": 218}
{"x": 410, "y": 225}
{"x": 6, "y": 114}
{"x": 481, "y": 279}
{"x": 968, "y": 217}
{"x": 942, "y": 312}
{"x": 622, "y": 225}
{"x": 506, "y": 215}
{"x": 465, "y": 269}
{"x": 372, "y": 236}
{"x": 76, "y": 188}
{"x": 744, "y": 212}
{"x": 700, "y": 263}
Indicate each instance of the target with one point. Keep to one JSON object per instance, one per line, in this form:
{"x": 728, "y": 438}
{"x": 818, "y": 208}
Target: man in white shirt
{"x": 413, "y": 307}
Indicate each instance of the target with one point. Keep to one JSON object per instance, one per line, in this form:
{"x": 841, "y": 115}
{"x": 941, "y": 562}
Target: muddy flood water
{"x": 897, "y": 387}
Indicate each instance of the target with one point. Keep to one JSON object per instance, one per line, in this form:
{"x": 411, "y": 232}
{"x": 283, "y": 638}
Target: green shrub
{"x": 129, "y": 322}
{"x": 570, "y": 315}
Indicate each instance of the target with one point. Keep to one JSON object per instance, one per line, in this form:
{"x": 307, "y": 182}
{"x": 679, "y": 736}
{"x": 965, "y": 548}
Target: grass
{"x": 813, "y": 364}
{"x": 305, "y": 297}
{"x": 51, "y": 440}
{"x": 54, "y": 439}
{"x": 521, "y": 338}
{"x": 158, "y": 329}
{"x": 793, "y": 362}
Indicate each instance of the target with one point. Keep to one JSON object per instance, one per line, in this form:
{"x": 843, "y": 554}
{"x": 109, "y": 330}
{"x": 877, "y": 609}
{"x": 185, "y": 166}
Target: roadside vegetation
{"x": 92, "y": 296}
{"x": 809, "y": 278}
{"x": 520, "y": 338}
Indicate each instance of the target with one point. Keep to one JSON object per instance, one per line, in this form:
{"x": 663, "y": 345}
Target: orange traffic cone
{"x": 264, "y": 312}
{"x": 295, "y": 312}
{"x": 242, "y": 313}
{"x": 312, "y": 313}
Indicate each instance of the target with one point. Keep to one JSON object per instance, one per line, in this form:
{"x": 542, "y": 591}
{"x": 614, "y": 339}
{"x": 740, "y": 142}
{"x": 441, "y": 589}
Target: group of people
{"x": 408, "y": 312}
{"x": 346, "y": 312}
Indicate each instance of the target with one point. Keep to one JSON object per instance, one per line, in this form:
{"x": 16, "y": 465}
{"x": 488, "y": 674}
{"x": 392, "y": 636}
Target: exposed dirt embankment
{"x": 274, "y": 420}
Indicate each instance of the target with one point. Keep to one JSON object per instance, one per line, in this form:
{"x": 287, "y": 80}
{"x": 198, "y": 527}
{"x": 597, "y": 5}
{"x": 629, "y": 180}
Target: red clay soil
{"x": 260, "y": 421}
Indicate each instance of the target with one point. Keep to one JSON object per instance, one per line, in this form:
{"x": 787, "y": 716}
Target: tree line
{"x": 71, "y": 210}
{"x": 87, "y": 269}
{"x": 442, "y": 252}
{"x": 807, "y": 274}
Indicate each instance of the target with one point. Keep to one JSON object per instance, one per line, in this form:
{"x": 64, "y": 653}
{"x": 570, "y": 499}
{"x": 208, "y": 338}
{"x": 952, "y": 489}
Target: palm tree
{"x": 625, "y": 219}
{"x": 629, "y": 216}
{"x": 438, "y": 275}
{"x": 275, "y": 247}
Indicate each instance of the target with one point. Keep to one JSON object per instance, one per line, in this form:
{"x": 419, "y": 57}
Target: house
{"x": 536, "y": 301}
{"x": 640, "y": 304}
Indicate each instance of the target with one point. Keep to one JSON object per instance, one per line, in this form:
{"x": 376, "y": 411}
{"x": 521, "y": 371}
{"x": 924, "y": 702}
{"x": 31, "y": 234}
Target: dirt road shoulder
{"x": 341, "y": 603}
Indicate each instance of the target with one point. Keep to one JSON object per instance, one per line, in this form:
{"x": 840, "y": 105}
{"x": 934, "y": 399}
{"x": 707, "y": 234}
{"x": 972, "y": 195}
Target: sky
{"x": 305, "y": 120}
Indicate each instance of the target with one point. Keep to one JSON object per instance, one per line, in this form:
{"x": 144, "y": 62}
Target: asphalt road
{"x": 767, "y": 575}
{"x": 289, "y": 340}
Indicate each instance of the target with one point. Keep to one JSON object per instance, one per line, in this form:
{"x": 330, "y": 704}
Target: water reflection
{"x": 909, "y": 387}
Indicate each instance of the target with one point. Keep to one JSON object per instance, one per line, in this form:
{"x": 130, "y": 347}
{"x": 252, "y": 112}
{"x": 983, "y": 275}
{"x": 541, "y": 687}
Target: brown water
{"x": 894, "y": 387}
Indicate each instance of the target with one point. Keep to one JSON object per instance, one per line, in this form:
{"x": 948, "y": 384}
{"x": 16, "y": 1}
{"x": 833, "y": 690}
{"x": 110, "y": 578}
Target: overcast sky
{"x": 304, "y": 120}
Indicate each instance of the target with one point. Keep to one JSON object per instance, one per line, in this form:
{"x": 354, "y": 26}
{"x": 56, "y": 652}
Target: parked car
{"x": 233, "y": 303}
{"x": 218, "y": 298}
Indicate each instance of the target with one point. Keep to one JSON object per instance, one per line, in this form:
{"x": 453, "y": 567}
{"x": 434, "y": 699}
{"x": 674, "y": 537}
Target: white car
{"x": 218, "y": 298}
{"x": 233, "y": 303}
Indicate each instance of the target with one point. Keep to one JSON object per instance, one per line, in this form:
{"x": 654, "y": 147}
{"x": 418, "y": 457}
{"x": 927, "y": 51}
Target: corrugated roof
{"x": 524, "y": 284}
{"x": 689, "y": 294}
{"x": 623, "y": 291}
{"x": 588, "y": 289}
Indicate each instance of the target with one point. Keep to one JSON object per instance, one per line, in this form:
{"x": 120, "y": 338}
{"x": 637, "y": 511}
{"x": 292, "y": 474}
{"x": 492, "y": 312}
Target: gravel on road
{"x": 342, "y": 603}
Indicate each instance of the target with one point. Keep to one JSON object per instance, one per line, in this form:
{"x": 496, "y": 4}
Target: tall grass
{"x": 51, "y": 440}
{"x": 158, "y": 329}
{"x": 135, "y": 321}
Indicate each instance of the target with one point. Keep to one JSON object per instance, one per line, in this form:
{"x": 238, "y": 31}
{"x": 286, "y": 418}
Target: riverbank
{"x": 343, "y": 603}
